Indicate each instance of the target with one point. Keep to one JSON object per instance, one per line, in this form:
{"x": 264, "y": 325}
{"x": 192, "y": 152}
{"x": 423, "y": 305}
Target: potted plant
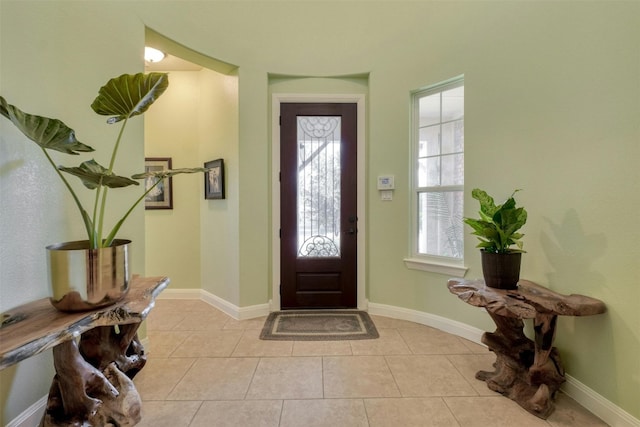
{"x": 497, "y": 230}
{"x": 94, "y": 272}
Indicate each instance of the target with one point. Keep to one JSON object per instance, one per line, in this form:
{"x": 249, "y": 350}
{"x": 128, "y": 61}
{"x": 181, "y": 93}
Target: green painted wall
{"x": 196, "y": 120}
{"x": 552, "y": 106}
{"x": 55, "y": 56}
{"x": 219, "y": 219}
{"x": 196, "y": 242}
{"x": 173, "y": 235}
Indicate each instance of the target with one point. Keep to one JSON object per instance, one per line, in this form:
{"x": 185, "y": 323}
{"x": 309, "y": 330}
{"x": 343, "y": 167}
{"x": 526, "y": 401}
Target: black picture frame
{"x": 214, "y": 180}
{"x": 161, "y": 197}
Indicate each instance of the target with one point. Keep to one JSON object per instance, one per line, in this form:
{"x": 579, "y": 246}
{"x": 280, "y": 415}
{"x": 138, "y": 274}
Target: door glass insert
{"x": 318, "y": 186}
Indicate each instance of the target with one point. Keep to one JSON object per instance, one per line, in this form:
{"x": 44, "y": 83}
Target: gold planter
{"x": 84, "y": 279}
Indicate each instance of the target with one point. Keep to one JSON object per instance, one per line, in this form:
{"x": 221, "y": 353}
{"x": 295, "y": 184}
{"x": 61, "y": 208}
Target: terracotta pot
{"x": 501, "y": 271}
{"x": 84, "y": 279}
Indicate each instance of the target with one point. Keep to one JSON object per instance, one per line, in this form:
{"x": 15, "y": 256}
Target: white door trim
{"x": 276, "y": 100}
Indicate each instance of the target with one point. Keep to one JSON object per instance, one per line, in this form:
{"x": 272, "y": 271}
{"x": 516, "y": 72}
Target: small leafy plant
{"x": 121, "y": 98}
{"x": 498, "y": 225}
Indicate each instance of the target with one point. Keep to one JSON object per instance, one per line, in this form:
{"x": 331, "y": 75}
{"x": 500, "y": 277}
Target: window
{"x": 438, "y": 175}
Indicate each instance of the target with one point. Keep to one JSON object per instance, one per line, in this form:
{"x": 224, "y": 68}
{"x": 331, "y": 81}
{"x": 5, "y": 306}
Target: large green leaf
{"x": 93, "y": 176}
{"x": 167, "y": 173}
{"x": 129, "y": 95}
{"x": 513, "y": 220}
{"x": 487, "y": 205}
{"x": 51, "y": 134}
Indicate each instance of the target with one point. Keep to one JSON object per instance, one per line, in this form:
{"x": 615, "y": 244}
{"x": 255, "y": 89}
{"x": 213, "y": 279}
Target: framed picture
{"x": 214, "y": 180}
{"x": 161, "y": 197}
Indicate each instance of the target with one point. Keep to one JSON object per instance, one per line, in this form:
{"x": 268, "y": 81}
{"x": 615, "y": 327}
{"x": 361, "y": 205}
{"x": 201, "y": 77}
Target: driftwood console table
{"x": 95, "y": 354}
{"x": 528, "y": 372}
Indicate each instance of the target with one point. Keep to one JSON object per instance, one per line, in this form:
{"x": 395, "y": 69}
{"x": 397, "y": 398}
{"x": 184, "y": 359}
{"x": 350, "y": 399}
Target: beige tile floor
{"x": 206, "y": 369}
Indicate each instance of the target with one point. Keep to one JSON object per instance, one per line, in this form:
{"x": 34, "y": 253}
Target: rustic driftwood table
{"x": 528, "y": 372}
{"x": 95, "y": 354}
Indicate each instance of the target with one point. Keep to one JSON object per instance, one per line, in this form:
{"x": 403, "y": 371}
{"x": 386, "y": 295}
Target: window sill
{"x": 435, "y": 267}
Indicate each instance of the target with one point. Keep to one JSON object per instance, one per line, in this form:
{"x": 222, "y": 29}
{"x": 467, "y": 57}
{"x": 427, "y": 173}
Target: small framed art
{"x": 161, "y": 197}
{"x": 214, "y": 179}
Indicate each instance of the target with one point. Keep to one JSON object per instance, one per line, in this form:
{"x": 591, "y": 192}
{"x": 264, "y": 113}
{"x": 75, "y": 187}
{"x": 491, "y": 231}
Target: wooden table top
{"x": 525, "y": 301}
{"x": 36, "y": 326}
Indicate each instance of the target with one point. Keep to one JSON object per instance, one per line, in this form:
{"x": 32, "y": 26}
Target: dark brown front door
{"x": 318, "y": 190}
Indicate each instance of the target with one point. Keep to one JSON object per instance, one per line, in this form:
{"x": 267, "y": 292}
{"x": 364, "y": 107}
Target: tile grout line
{"x": 235, "y": 347}
{"x": 404, "y": 340}
{"x": 193, "y": 362}
{"x": 395, "y": 381}
{"x": 450, "y": 410}
{"x": 281, "y": 412}
{"x": 193, "y": 417}
{"x": 322, "y": 374}
{"x": 447, "y": 356}
{"x": 253, "y": 375}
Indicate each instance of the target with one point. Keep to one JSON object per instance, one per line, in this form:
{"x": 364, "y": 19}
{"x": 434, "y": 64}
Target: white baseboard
{"x": 589, "y": 399}
{"x": 31, "y": 416}
{"x": 598, "y": 405}
{"x": 171, "y": 293}
{"x": 238, "y": 313}
{"x": 221, "y": 304}
{"x": 253, "y": 311}
{"x": 451, "y": 326}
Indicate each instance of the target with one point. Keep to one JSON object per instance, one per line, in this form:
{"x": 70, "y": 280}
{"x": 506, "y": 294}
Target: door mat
{"x": 318, "y": 325}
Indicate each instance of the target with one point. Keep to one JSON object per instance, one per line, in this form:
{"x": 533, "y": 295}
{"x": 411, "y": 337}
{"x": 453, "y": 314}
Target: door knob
{"x": 352, "y": 231}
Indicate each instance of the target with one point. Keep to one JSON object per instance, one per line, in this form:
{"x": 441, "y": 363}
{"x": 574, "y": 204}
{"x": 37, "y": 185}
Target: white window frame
{"x": 418, "y": 261}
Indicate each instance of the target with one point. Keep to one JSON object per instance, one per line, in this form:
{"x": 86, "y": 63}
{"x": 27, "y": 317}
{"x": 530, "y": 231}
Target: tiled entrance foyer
{"x": 206, "y": 369}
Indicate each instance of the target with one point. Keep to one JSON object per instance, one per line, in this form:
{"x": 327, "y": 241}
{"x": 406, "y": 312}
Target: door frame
{"x": 276, "y": 100}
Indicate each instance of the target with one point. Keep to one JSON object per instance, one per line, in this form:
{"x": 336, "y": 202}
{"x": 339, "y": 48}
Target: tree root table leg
{"x": 527, "y": 372}
{"x": 92, "y": 385}
{"x": 96, "y": 354}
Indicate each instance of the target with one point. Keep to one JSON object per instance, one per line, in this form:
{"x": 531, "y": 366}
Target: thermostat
{"x": 386, "y": 182}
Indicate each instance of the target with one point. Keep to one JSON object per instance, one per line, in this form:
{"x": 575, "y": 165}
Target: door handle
{"x": 351, "y": 231}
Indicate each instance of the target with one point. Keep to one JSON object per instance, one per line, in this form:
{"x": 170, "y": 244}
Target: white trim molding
{"x": 173, "y": 293}
{"x": 436, "y": 267}
{"x": 447, "y": 325}
{"x": 597, "y": 404}
{"x": 238, "y": 313}
{"x": 32, "y": 415}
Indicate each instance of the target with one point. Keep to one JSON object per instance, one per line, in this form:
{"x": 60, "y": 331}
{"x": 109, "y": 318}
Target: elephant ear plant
{"x": 498, "y": 225}
{"x": 122, "y": 98}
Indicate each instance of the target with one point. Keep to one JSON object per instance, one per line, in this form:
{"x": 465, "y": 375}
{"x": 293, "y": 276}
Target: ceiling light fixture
{"x": 153, "y": 55}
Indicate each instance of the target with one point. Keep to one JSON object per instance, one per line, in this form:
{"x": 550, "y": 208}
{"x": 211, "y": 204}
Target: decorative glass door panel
{"x": 318, "y": 205}
{"x": 319, "y": 186}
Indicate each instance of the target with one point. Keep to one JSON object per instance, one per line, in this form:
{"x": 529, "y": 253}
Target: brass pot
{"x": 84, "y": 279}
